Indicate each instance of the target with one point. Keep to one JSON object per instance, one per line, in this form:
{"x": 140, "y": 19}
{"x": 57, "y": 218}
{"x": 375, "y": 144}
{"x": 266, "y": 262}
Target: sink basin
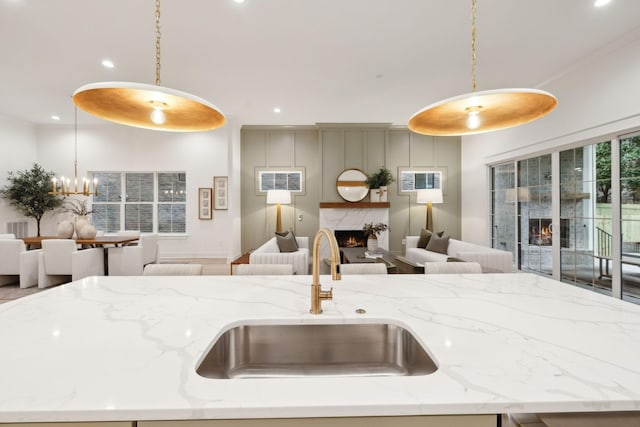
{"x": 271, "y": 351}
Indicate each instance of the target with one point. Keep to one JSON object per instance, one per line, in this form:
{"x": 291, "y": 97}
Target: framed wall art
{"x": 220, "y": 193}
{"x": 204, "y": 203}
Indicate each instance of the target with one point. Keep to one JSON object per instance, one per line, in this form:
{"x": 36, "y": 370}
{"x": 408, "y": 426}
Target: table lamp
{"x": 429, "y": 196}
{"x": 278, "y": 197}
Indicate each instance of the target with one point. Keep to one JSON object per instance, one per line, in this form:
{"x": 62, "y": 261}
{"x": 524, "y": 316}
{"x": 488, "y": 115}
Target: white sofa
{"x": 491, "y": 260}
{"x": 269, "y": 253}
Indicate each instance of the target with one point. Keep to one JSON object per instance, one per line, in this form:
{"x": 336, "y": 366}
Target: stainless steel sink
{"x": 270, "y": 351}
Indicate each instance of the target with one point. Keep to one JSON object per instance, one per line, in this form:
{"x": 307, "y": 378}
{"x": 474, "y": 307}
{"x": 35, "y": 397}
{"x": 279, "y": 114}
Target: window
{"x": 412, "y": 180}
{"x": 143, "y": 201}
{"x": 280, "y": 180}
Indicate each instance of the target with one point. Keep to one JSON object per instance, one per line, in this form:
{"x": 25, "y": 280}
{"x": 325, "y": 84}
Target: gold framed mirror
{"x": 351, "y": 185}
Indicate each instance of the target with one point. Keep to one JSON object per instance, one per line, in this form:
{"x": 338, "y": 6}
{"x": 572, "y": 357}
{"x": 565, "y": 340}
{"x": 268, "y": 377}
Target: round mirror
{"x": 351, "y": 185}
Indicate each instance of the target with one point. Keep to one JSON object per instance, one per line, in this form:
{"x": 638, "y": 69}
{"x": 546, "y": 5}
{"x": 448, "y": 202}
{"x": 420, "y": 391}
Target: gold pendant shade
{"x": 132, "y": 104}
{"x": 495, "y": 109}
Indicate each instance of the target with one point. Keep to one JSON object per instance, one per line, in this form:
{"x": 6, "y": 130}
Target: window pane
{"x": 138, "y": 216}
{"x": 172, "y": 187}
{"x": 139, "y": 187}
{"x": 106, "y": 217}
{"x": 171, "y": 218}
{"x": 109, "y": 187}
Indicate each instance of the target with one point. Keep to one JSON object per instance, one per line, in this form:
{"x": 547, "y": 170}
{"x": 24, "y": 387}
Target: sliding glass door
{"x": 534, "y": 220}
{"x": 630, "y": 217}
{"x": 585, "y": 216}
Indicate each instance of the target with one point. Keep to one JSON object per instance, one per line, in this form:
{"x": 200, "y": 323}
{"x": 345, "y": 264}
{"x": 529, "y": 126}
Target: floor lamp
{"x": 278, "y": 197}
{"x": 429, "y": 196}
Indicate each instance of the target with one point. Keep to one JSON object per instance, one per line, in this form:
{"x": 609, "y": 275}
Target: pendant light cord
{"x": 158, "y": 42}
{"x": 473, "y": 45}
{"x": 75, "y": 142}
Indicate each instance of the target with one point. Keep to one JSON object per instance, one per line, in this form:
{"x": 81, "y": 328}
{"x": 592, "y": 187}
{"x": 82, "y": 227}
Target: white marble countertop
{"x": 123, "y": 348}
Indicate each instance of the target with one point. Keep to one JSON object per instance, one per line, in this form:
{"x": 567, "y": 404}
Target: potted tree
{"x": 371, "y": 232}
{"x": 378, "y": 183}
{"x": 28, "y": 191}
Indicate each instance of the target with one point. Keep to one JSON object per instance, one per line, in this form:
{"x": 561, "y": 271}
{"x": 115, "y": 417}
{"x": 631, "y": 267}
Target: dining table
{"x": 34, "y": 242}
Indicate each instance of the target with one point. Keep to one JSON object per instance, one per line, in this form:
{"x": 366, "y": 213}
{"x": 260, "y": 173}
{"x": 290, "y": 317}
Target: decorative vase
{"x": 382, "y": 196}
{"x": 372, "y": 243}
{"x": 377, "y": 195}
{"x": 65, "y": 229}
{"x": 86, "y": 231}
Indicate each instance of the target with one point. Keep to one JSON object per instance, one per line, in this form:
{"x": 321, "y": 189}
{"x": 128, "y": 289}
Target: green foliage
{"x": 28, "y": 191}
{"x": 380, "y": 179}
{"x": 629, "y": 168}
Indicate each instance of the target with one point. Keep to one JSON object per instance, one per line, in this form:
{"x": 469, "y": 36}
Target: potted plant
{"x": 378, "y": 183}
{"x": 371, "y": 232}
{"x": 28, "y": 191}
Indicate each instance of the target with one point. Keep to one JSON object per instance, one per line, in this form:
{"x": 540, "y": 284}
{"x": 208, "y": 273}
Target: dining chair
{"x": 17, "y": 264}
{"x": 131, "y": 260}
{"x": 60, "y": 261}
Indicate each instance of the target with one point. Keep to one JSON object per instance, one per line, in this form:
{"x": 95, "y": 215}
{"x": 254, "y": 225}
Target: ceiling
{"x": 318, "y": 60}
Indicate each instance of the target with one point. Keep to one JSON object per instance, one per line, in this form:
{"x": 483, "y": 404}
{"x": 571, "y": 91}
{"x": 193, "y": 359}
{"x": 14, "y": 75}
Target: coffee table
{"x": 357, "y": 256}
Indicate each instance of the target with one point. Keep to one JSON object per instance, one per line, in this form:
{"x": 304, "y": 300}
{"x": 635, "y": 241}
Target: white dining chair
{"x": 60, "y": 261}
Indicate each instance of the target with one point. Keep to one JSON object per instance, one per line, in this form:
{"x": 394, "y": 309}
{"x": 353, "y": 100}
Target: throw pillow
{"x": 287, "y": 241}
{"x": 438, "y": 244}
{"x": 425, "y": 236}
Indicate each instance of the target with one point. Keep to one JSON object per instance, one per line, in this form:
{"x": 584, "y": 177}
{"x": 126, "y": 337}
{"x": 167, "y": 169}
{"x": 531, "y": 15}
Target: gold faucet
{"x": 317, "y": 294}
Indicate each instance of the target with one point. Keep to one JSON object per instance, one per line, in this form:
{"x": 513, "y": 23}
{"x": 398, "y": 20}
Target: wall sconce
{"x": 278, "y": 197}
{"x": 429, "y": 196}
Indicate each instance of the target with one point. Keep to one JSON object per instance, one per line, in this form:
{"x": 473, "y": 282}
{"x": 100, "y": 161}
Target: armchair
{"x": 17, "y": 264}
{"x": 60, "y": 261}
{"x": 130, "y": 260}
{"x": 269, "y": 253}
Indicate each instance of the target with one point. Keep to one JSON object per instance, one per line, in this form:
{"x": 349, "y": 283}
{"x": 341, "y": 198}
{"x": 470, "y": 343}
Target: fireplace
{"x": 350, "y": 238}
{"x": 541, "y": 232}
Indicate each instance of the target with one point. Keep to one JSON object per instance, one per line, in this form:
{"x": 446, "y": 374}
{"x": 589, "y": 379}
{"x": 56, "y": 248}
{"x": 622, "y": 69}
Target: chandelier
{"x": 63, "y": 186}
{"x": 149, "y": 106}
{"x": 484, "y": 111}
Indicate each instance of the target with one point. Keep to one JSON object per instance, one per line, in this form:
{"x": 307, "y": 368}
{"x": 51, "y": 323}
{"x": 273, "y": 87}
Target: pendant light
{"x": 149, "y": 106}
{"x": 485, "y": 111}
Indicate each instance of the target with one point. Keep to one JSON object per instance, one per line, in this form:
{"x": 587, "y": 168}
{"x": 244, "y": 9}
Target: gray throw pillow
{"x": 287, "y": 241}
{"x": 438, "y": 244}
{"x": 425, "y": 236}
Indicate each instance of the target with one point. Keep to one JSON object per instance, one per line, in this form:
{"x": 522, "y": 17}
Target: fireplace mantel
{"x": 354, "y": 205}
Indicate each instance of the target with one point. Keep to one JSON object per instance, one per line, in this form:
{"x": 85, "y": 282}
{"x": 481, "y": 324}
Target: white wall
{"x": 597, "y": 99}
{"x": 17, "y": 152}
{"x": 112, "y": 147}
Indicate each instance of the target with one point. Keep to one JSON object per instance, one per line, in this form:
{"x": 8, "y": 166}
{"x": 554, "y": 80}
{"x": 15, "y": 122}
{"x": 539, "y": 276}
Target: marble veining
{"x": 126, "y": 348}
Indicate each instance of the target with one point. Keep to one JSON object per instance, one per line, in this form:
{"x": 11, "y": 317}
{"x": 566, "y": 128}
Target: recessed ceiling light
{"x": 239, "y": 1}
{"x": 55, "y": 117}
{"x": 107, "y": 63}
{"x": 600, "y": 3}
{"x": 277, "y": 110}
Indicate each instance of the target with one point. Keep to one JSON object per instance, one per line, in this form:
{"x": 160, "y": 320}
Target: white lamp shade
{"x": 278, "y": 196}
{"x": 433, "y": 195}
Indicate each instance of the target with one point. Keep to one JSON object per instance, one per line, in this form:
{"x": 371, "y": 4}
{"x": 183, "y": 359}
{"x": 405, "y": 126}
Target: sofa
{"x": 269, "y": 253}
{"x": 491, "y": 260}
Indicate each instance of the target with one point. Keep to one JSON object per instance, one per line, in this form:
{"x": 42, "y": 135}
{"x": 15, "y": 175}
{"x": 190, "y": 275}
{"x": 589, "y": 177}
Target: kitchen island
{"x": 126, "y": 348}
